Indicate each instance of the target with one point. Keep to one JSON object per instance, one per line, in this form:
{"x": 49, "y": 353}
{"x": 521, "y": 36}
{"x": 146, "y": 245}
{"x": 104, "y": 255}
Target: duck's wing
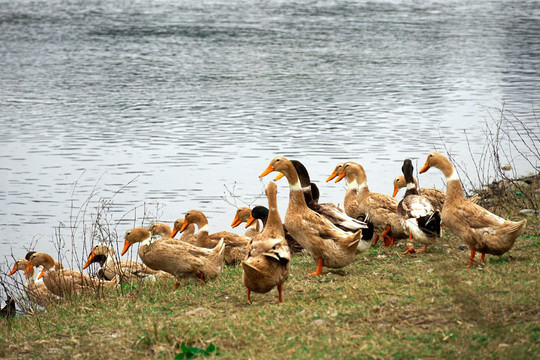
{"x": 475, "y": 216}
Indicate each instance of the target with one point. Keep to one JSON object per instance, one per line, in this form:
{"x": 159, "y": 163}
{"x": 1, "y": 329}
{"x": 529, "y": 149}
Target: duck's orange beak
{"x": 396, "y": 189}
{"x": 425, "y": 168}
{"x": 174, "y": 232}
{"x": 236, "y": 221}
{"x": 14, "y": 270}
{"x": 28, "y": 268}
{"x": 268, "y": 170}
{"x": 332, "y": 176}
{"x": 41, "y": 274}
{"x": 340, "y": 176}
{"x": 250, "y": 221}
{"x": 184, "y": 226}
{"x": 126, "y": 247}
{"x": 280, "y": 175}
{"x": 90, "y": 258}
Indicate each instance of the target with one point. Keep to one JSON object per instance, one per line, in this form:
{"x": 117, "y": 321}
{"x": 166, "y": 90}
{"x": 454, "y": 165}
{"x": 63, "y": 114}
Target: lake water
{"x": 153, "y": 108}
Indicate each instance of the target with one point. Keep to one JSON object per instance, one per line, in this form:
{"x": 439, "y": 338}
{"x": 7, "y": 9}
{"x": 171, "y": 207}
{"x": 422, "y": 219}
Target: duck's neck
{"x": 454, "y": 190}
{"x": 410, "y": 185}
{"x": 190, "y": 230}
{"x": 354, "y": 186}
{"x": 254, "y": 226}
{"x": 30, "y": 276}
{"x": 202, "y": 234}
{"x": 274, "y": 220}
{"x": 296, "y": 194}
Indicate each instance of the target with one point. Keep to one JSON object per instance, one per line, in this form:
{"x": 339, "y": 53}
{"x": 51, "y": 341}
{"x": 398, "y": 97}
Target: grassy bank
{"x": 385, "y": 305}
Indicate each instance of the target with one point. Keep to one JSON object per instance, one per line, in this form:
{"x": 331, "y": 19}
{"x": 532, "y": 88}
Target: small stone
{"x": 318, "y": 322}
{"x": 528, "y": 212}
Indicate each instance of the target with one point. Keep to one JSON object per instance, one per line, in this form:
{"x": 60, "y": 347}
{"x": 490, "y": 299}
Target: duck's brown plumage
{"x": 180, "y": 259}
{"x": 126, "y": 269}
{"x": 36, "y": 291}
{"x": 360, "y": 202}
{"x": 481, "y": 230}
{"x": 243, "y": 214}
{"x": 327, "y": 244}
{"x": 267, "y": 261}
{"x": 64, "y": 281}
{"x": 188, "y": 235}
{"x": 235, "y": 245}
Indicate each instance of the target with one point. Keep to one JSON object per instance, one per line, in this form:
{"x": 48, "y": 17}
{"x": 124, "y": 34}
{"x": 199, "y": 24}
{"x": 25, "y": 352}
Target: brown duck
{"x": 480, "y": 229}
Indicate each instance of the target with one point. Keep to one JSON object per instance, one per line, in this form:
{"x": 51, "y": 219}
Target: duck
{"x": 417, "y": 214}
{"x": 188, "y": 235}
{"x": 330, "y": 211}
{"x": 64, "y": 282}
{"x": 235, "y": 245}
{"x": 36, "y": 291}
{"x": 126, "y": 269}
{"x": 327, "y": 244}
{"x": 243, "y": 214}
{"x": 261, "y": 213}
{"x": 435, "y": 196}
{"x": 267, "y": 262}
{"x": 379, "y": 209}
{"x": 480, "y": 229}
{"x": 180, "y": 259}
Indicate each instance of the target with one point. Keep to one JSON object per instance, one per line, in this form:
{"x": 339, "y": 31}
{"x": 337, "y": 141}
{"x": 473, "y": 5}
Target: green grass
{"x": 384, "y": 306}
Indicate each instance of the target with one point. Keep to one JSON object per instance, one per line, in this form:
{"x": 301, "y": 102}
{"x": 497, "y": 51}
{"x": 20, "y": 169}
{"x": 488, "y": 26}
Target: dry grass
{"x": 385, "y": 305}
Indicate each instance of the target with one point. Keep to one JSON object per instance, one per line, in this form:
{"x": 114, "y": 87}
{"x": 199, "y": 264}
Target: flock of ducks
{"x": 330, "y": 235}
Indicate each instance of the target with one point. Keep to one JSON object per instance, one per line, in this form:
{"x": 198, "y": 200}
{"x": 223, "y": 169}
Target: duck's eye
{"x": 128, "y": 233}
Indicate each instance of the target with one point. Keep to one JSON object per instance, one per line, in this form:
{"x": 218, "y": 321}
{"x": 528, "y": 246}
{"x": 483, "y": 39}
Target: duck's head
{"x": 281, "y": 164}
{"x": 160, "y": 229}
{"x": 135, "y": 235}
{"x": 352, "y": 171}
{"x": 194, "y": 217}
{"x": 434, "y": 159}
{"x": 258, "y": 213}
{"x": 242, "y": 215}
{"x": 40, "y": 259}
{"x": 399, "y": 182}
{"x": 99, "y": 253}
{"x": 336, "y": 172}
{"x": 20, "y": 264}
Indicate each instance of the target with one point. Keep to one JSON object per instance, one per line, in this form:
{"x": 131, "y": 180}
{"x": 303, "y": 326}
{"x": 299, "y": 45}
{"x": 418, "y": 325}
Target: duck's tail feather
{"x": 431, "y": 224}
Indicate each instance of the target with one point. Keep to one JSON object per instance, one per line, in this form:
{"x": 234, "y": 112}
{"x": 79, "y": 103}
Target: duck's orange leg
{"x": 388, "y": 241}
{"x": 201, "y": 276}
{"x": 375, "y": 240}
{"x": 471, "y": 260}
{"x": 279, "y": 289}
{"x": 176, "y": 284}
{"x": 424, "y": 249}
{"x": 411, "y": 249}
{"x": 319, "y": 267}
{"x": 248, "y": 296}
{"x": 482, "y": 255}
